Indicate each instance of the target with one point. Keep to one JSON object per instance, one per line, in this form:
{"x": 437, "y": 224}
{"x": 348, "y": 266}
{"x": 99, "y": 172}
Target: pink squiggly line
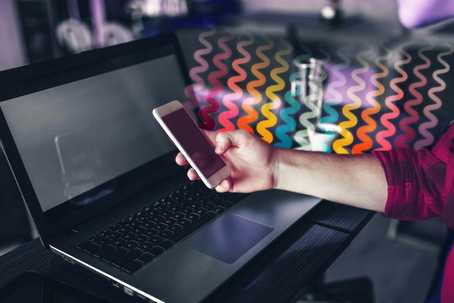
{"x": 199, "y": 54}
{"x": 390, "y": 130}
{"x": 215, "y": 82}
{"x": 409, "y": 134}
{"x": 423, "y": 129}
{"x": 230, "y": 99}
{"x": 193, "y": 91}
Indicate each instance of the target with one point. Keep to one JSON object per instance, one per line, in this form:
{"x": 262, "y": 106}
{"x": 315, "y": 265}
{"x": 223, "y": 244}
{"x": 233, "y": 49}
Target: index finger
{"x": 181, "y": 160}
{"x": 211, "y": 135}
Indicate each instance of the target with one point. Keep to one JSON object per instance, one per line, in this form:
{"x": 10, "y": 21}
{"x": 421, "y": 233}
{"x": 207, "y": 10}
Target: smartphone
{"x": 191, "y": 142}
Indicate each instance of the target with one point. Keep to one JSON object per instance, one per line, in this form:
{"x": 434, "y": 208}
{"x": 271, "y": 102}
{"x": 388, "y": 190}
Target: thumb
{"x": 226, "y": 140}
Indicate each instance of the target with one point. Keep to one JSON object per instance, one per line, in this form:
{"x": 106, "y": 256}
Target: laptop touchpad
{"x": 229, "y": 237}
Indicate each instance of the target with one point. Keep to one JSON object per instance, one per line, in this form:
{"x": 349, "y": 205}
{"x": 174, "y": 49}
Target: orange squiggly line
{"x": 230, "y": 99}
{"x": 437, "y": 102}
{"x": 255, "y": 96}
{"x": 271, "y": 119}
{"x": 390, "y": 130}
{"x": 366, "y": 114}
{"x": 409, "y": 134}
{"x": 347, "y": 137}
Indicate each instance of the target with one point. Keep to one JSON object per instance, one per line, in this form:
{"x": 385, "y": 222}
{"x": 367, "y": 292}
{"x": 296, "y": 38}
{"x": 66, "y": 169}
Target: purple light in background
{"x": 416, "y": 13}
{"x": 98, "y": 18}
{"x": 11, "y": 44}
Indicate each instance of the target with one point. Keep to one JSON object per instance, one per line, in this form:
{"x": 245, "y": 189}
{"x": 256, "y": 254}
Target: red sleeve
{"x": 415, "y": 183}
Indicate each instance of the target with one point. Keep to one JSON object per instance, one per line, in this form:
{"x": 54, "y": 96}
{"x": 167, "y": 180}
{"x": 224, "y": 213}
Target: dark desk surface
{"x": 296, "y": 259}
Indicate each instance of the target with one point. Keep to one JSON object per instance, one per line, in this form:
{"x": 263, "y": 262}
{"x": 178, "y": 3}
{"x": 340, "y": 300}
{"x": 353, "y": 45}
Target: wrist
{"x": 275, "y": 167}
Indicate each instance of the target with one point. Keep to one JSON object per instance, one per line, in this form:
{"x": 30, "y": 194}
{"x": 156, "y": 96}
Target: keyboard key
{"x": 90, "y": 247}
{"x": 168, "y": 234}
{"x": 175, "y": 228}
{"x": 132, "y": 265}
{"x": 166, "y": 243}
{"x": 157, "y": 250}
{"x": 146, "y": 257}
{"x": 133, "y": 254}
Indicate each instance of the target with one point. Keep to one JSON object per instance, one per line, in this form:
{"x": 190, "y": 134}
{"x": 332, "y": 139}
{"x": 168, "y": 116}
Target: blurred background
{"x": 388, "y": 252}
{"x": 35, "y": 30}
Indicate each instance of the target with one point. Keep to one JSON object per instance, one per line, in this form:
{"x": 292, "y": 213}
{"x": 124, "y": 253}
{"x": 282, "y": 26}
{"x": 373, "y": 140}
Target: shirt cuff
{"x": 390, "y": 161}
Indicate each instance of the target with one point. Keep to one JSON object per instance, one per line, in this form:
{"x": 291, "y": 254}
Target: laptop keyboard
{"x": 141, "y": 237}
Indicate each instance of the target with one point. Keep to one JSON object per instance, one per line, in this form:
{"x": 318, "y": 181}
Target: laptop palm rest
{"x": 229, "y": 237}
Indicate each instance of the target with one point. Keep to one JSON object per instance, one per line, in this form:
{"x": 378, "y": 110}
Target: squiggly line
{"x": 332, "y": 115}
{"x": 337, "y": 80}
{"x": 282, "y": 131}
{"x": 423, "y": 129}
{"x": 375, "y": 108}
{"x": 190, "y": 94}
{"x": 347, "y": 137}
{"x": 305, "y": 119}
{"x": 215, "y": 82}
{"x": 232, "y": 83}
{"x": 194, "y": 73}
{"x": 255, "y": 96}
{"x": 385, "y": 119}
{"x": 334, "y": 96}
{"x": 301, "y": 137}
{"x": 341, "y": 81}
{"x": 271, "y": 119}
{"x": 409, "y": 134}
{"x": 199, "y": 54}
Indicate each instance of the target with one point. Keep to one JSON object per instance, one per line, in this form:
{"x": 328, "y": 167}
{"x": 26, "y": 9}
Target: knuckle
{"x": 220, "y": 137}
{"x": 242, "y": 132}
{"x": 243, "y": 136}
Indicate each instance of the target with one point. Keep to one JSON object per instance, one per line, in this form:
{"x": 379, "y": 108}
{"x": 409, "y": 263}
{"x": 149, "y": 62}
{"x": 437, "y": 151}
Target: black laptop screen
{"x": 76, "y": 136}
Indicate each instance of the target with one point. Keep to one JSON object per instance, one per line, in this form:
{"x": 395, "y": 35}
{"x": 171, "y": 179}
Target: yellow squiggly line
{"x": 270, "y": 92}
{"x": 255, "y": 95}
{"x": 347, "y": 137}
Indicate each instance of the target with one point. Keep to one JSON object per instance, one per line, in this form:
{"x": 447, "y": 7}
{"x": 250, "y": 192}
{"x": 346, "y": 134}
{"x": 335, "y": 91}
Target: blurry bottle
{"x": 308, "y": 85}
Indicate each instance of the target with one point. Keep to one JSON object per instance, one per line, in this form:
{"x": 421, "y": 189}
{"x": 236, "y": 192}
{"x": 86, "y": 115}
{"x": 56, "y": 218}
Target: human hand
{"x": 252, "y": 162}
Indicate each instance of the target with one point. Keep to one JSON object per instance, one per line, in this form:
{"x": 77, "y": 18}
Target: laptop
{"x": 98, "y": 177}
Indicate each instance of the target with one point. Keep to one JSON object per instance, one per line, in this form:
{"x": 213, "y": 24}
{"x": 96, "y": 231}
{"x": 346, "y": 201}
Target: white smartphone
{"x": 192, "y": 143}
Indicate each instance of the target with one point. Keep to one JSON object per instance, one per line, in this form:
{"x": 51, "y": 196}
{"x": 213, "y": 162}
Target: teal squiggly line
{"x": 282, "y": 131}
{"x": 332, "y": 115}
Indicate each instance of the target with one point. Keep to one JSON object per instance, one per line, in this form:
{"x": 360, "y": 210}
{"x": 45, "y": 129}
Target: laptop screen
{"x": 77, "y": 136}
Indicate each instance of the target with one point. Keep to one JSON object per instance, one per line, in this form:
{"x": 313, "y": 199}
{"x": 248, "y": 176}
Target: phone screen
{"x": 194, "y": 142}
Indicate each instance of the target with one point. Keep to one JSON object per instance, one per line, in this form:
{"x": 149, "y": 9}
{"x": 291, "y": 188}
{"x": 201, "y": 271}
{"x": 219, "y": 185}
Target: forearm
{"x": 354, "y": 180}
